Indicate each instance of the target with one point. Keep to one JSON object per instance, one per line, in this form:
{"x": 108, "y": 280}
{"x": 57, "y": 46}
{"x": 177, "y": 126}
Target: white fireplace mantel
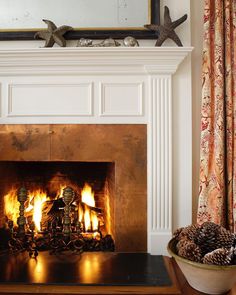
{"x": 102, "y": 86}
{"x": 80, "y": 59}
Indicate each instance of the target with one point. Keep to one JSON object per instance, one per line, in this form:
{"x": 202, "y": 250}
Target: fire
{"x": 90, "y": 218}
{"x": 35, "y": 204}
{"x": 60, "y": 192}
{"x": 81, "y": 213}
{"x": 108, "y": 208}
{"x": 88, "y": 195}
{"x": 11, "y": 206}
{"x": 87, "y": 223}
{"x": 38, "y": 197}
{"x": 94, "y": 221}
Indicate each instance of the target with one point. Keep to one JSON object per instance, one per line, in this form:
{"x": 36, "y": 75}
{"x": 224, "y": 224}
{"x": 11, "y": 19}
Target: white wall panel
{"x": 121, "y": 99}
{"x": 50, "y": 100}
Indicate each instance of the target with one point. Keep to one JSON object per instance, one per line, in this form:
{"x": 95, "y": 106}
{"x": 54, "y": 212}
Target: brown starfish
{"x": 168, "y": 29}
{"x": 53, "y": 34}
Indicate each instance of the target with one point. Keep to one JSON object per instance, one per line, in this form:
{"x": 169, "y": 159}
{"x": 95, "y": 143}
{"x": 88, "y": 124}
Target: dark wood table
{"x": 177, "y": 285}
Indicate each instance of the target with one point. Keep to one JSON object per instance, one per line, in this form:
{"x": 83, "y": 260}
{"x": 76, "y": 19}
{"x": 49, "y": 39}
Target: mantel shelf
{"x": 159, "y": 59}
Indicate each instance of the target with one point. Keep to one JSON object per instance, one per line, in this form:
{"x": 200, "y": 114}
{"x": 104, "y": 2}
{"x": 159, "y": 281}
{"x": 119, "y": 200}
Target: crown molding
{"x": 95, "y": 59}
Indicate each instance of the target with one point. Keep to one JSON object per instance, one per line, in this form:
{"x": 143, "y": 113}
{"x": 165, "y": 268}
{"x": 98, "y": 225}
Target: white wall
{"x": 182, "y": 107}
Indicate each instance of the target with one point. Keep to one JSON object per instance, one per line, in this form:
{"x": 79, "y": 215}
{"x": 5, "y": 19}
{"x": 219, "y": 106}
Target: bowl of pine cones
{"x": 206, "y": 254}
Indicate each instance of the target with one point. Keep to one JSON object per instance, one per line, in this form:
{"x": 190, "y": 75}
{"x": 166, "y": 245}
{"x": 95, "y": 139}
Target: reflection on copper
{"x": 10, "y": 267}
{"x": 91, "y": 268}
{"x": 37, "y": 268}
{"x": 13, "y": 267}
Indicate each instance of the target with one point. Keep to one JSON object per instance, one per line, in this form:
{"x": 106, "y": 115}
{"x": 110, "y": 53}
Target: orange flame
{"x": 60, "y": 192}
{"x": 107, "y": 208}
{"x": 88, "y": 195}
{"x": 35, "y": 205}
{"x": 90, "y": 218}
{"x": 81, "y": 213}
{"x": 11, "y": 206}
{"x": 87, "y": 223}
{"x": 94, "y": 221}
{"x": 39, "y": 198}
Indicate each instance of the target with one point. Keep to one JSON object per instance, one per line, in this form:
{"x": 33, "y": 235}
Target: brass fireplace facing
{"x": 110, "y": 160}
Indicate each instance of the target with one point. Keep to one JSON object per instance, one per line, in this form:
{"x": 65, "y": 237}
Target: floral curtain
{"x": 217, "y": 195}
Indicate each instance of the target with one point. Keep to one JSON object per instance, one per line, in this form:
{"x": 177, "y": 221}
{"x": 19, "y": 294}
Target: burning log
{"x": 94, "y": 209}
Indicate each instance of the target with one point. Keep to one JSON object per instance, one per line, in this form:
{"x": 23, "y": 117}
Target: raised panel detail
{"x": 121, "y": 99}
{"x": 50, "y": 100}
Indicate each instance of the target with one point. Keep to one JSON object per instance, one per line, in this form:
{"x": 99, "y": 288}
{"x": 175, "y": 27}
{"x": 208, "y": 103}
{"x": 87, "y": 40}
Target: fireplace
{"x": 109, "y": 159}
{"x": 108, "y": 110}
{"x": 85, "y": 87}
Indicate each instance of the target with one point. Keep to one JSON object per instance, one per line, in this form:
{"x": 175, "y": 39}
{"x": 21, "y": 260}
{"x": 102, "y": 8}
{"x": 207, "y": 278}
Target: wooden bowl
{"x": 210, "y": 279}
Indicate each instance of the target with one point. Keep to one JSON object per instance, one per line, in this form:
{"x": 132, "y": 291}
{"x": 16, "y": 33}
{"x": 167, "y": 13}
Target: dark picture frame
{"x": 97, "y": 33}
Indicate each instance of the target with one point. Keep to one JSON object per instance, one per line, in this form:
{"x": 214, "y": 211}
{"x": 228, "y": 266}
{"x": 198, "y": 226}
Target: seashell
{"x": 109, "y": 42}
{"x": 130, "y": 42}
{"x": 85, "y": 42}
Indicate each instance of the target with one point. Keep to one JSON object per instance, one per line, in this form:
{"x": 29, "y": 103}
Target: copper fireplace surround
{"x": 123, "y": 145}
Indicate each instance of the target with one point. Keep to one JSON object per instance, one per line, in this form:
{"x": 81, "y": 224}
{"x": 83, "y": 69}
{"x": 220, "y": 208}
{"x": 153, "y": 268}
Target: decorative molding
{"x": 129, "y": 102}
{"x": 50, "y": 100}
{"x": 93, "y": 60}
{"x": 160, "y": 159}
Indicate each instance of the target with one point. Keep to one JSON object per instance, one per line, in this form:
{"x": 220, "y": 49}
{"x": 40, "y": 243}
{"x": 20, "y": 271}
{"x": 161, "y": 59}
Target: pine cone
{"x": 211, "y": 225}
{"x": 219, "y": 256}
{"x": 177, "y": 232}
{"x": 224, "y": 239}
{"x": 182, "y": 243}
{"x": 206, "y": 237}
{"x": 189, "y": 232}
{"x": 190, "y": 251}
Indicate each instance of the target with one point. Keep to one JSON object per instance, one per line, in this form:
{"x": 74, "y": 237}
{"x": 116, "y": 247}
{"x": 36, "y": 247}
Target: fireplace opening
{"x": 57, "y": 206}
{"x": 117, "y": 153}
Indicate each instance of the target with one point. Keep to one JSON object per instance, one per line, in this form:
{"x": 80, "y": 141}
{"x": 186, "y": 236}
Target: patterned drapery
{"x": 217, "y": 195}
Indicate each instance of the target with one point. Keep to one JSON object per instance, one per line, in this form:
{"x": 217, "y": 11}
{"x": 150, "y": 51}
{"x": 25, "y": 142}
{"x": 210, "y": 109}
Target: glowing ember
{"x": 11, "y": 206}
